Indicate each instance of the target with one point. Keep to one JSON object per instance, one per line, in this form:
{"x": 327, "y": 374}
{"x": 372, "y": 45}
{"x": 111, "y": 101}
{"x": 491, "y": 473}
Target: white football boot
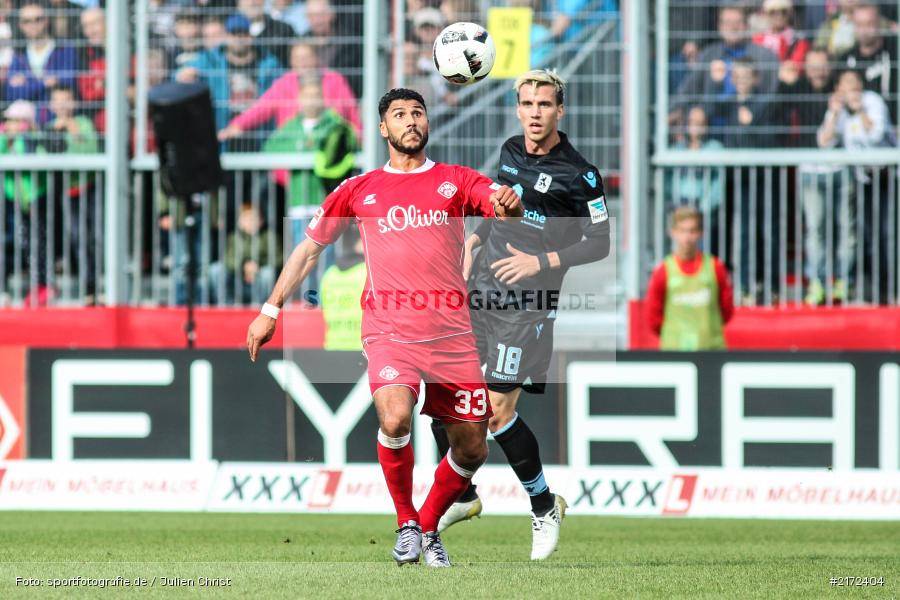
{"x": 460, "y": 511}
{"x": 545, "y": 530}
{"x": 409, "y": 544}
{"x": 434, "y": 551}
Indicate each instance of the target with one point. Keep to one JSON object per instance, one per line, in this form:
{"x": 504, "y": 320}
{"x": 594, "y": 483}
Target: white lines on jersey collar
{"x": 427, "y": 165}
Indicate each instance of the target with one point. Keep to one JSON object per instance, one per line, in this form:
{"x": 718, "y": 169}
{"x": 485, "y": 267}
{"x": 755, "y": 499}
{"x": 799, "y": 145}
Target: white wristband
{"x": 270, "y": 310}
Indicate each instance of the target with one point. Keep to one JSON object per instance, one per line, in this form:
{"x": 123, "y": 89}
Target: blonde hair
{"x": 685, "y": 213}
{"x": 539, "y": 77}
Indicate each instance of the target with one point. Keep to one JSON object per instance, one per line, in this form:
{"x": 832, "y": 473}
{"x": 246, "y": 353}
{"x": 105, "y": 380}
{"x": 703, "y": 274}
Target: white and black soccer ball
{"x": 464, "y": 53}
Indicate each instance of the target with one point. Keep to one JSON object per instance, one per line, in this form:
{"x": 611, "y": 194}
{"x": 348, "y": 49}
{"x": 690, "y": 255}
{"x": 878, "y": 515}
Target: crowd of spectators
{"x": 51, "y": 90}
{"x": 276, "y": 69}
{"x": 765, "y": 74}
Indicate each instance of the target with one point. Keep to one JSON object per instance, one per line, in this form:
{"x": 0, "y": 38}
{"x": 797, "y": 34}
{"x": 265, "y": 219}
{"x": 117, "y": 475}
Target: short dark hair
{"x": 744, "y": 61}
{"x": 850, "y": 71}
{"x": 399, "y": 94}
{"x": 191, "y": 15}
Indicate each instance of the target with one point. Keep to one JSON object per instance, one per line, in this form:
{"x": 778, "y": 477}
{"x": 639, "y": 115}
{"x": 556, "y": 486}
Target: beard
{"x": 397, "y": 143}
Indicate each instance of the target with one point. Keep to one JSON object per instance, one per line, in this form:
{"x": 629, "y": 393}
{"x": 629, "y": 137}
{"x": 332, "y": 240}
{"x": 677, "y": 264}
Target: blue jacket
{"x": 213, "y": 67}
{"x": 62, "y": 64}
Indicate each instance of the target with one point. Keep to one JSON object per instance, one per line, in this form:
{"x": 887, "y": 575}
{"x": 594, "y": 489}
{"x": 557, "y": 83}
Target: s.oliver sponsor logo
{"x": 400, "y": 218}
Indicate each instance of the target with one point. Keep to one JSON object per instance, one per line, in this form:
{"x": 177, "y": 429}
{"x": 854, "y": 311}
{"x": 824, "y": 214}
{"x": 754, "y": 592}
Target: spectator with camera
{"x": 858, "y": 119}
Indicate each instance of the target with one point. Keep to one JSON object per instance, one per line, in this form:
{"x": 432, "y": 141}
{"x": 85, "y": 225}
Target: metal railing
{"x": 249, "y": 201}
{"x": 51, "y": 234}
{"x": 793, "y": 227}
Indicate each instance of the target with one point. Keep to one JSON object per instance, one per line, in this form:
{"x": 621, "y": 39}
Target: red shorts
{"x": 454, "y": 384}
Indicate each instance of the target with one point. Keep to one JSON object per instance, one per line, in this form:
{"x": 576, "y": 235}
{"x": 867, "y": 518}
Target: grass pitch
{"x": 334, "y": 556}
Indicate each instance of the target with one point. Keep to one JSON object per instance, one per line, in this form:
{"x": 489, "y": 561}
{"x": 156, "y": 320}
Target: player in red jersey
{"x": 415, "y": 320}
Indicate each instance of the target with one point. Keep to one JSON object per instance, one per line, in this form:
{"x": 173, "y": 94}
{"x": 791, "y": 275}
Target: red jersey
{"x": 413, "y": 231}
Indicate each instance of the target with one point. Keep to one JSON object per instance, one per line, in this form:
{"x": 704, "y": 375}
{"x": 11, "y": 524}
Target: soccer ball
{"x": 464, "y": 53}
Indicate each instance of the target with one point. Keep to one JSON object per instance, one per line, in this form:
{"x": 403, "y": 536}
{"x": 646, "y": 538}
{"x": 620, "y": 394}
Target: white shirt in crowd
{"x": 850, "y": 132}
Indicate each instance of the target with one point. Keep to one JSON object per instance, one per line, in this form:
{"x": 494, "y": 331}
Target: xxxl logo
{"x": 254, "y": 489}
{"x": 619, "y": 495}
{"x": 400, "y": 218}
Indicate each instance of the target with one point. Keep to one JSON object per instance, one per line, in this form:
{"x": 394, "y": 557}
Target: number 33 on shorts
{"x": 465, "y": 405}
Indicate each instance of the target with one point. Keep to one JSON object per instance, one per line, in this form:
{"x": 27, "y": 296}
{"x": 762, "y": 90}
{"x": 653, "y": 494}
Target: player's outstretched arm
{"x": 507, "y": 205}
{"x": 298, "y": 266}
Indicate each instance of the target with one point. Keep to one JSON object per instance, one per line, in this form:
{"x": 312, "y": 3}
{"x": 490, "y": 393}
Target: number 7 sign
{"x": 511, "y": 30}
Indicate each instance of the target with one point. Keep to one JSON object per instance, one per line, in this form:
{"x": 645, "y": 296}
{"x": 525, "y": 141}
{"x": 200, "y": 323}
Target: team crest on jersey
{"x": 597, "y": 208}
{"x": 447, "y": 190}
{"x": 543, "y": 183}
{"x": 389, "y": 373}
{"x": 320, "y": 212}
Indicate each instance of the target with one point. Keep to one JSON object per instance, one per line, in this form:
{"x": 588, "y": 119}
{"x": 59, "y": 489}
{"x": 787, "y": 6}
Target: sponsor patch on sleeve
{"x": 597, "y": 208}
{"x": 320, "y": 212}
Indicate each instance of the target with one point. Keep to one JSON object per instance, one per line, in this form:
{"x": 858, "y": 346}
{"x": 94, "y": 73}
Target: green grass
{"x": 333, "y": 556}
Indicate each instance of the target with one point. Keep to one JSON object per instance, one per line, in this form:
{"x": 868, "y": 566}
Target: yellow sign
{"x": 511, "y": 30}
